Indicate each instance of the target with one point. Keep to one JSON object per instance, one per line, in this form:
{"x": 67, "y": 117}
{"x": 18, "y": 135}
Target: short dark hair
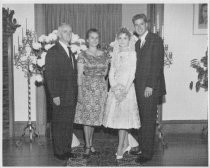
{"x": 124, "y": 30}
{"x": 139, "y": 16}
{"x": 91, "y": 30}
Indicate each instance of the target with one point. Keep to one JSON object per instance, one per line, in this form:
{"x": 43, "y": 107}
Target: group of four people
{"x": 78, "y": 89}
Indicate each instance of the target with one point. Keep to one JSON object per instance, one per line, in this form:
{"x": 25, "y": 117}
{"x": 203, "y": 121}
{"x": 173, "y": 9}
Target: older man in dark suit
{"x": 61, "y": 79}
{"x": 149, "y": 84}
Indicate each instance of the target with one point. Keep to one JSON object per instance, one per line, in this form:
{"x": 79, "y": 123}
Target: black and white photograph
{"x": 115, "y": 84}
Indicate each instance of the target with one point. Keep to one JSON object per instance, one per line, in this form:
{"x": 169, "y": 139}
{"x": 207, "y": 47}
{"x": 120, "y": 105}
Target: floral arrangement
{"x": 201, "y": 67}
{"x": 46, "y": 42}
{"x": 31, "y": 55}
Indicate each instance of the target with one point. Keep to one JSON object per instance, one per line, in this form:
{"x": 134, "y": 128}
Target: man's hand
{"x": 56, "y": 101}
{"x": 148, "y": 92}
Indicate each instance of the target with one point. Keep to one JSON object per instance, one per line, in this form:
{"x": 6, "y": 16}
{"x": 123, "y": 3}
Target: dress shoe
{"x": 93, "y": 151}
{"x": 70, "y": 155}
{"x": 128, "y": 149}
{"x": 61, "y": 157}
{"x": 142, "y": 159}
{"x": 87, "y": 154}
{"x": 118, "y": 157}
{"x": 138, "y": 152}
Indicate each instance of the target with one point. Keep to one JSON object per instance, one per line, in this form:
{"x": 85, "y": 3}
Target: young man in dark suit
{"x": 149, "y": 84}
{"x": 61, "y": 80}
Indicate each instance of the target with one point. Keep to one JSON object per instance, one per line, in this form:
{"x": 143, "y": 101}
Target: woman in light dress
{"x": 121, "y": 110}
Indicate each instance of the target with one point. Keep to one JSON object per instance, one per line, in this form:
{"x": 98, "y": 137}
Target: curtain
{"x": 107, "y": 18}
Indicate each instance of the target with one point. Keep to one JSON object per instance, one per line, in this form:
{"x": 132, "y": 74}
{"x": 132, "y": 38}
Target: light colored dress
{"x": 75, "y": 141}
{"x": 94, "y": 90}
{"x": 123, "y": 115}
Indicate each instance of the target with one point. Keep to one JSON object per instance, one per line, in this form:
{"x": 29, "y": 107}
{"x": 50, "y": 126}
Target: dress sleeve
{"x": 112, "y": 72}
{"x": 81, "y": 58}
{"x": 132, "y": 70}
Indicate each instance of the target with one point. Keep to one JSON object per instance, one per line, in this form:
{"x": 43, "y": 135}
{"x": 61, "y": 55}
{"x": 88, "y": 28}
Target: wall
{"x": 129, "y": 10}
{"x": 22, "y": 11}
{"x": 181, "y": 102}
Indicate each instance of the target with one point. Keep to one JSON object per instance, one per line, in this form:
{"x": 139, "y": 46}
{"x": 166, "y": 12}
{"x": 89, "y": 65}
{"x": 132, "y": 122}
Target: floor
{"x": 183, "y": 150}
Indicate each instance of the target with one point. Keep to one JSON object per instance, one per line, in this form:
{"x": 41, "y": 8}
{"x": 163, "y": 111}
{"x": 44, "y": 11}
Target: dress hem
{"x": 98, "y": 125}
{"x": 121, "y": 127}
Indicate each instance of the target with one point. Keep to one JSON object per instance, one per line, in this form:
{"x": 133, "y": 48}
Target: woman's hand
{"x": 121, "y": 96}
{"x": 119, "y": 92}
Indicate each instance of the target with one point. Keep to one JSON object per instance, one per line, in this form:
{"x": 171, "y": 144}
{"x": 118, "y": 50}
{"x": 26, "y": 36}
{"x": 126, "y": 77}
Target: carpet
{"x": 106, "y": 157}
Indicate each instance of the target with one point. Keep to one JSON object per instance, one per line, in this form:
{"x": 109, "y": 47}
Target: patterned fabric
{"x": 123, "y": 115}
{"x": 94, "y": 90}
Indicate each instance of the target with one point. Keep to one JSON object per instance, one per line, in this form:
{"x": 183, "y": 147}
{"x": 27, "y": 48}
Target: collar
{"x": 63, "y": 44}
{"x": 142, "y": 38}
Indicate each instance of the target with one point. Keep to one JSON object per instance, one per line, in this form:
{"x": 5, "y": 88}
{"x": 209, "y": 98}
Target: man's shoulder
{"x": 53, "y": 49}
{"x": 155, "y": 37}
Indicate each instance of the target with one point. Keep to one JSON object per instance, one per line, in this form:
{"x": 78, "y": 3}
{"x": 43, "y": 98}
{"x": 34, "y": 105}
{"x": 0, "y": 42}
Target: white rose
{"x": 36, "y": 46}
{"x": 24, "y": 58}
{"x": 74, "y": 38}
{"x": 48, "y": 46}
{"x": 33, "y": 59}
{"x": 81, "y": 41}
{"x": 31, "y": 68}
{"x": 48, "y": 39}
{"x": 74, "y": 48}
{"x": 55, "y": 32}
{"x": 42, "y": 38}
{"x": 112, "y": 44}
{"x": 39, "y": 78}
{"x": 54, "y": 36}
{"x": 83, "y": 47}
{"x": 41, "y": 62}
{"x": 79, "y": 51}
{"x": 43, "y": 55}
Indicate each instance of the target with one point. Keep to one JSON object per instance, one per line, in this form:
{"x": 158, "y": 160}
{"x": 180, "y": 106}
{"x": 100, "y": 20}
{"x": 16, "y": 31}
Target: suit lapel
{"x": 61, "y": 50}
{"x": 63, "y": 53}
{"x": 146, "y": 44}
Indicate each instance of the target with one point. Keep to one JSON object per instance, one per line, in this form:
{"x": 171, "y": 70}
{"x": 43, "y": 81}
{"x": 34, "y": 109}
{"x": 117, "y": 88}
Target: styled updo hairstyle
{"x": 92, "y": 30}
{"x": 124, "y": 30}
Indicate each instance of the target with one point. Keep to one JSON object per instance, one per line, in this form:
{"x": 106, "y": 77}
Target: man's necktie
{"x": 71, "y": 56}
{"x": 140, "y": 43}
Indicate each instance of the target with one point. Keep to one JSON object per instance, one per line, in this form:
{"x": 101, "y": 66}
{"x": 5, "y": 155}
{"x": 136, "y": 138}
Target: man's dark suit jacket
{"x": 60, "y": 76}
{"x": 150, "y": 64}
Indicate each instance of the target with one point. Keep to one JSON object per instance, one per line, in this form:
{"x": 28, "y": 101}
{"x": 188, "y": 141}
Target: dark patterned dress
{"x": 94, "y": 90}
